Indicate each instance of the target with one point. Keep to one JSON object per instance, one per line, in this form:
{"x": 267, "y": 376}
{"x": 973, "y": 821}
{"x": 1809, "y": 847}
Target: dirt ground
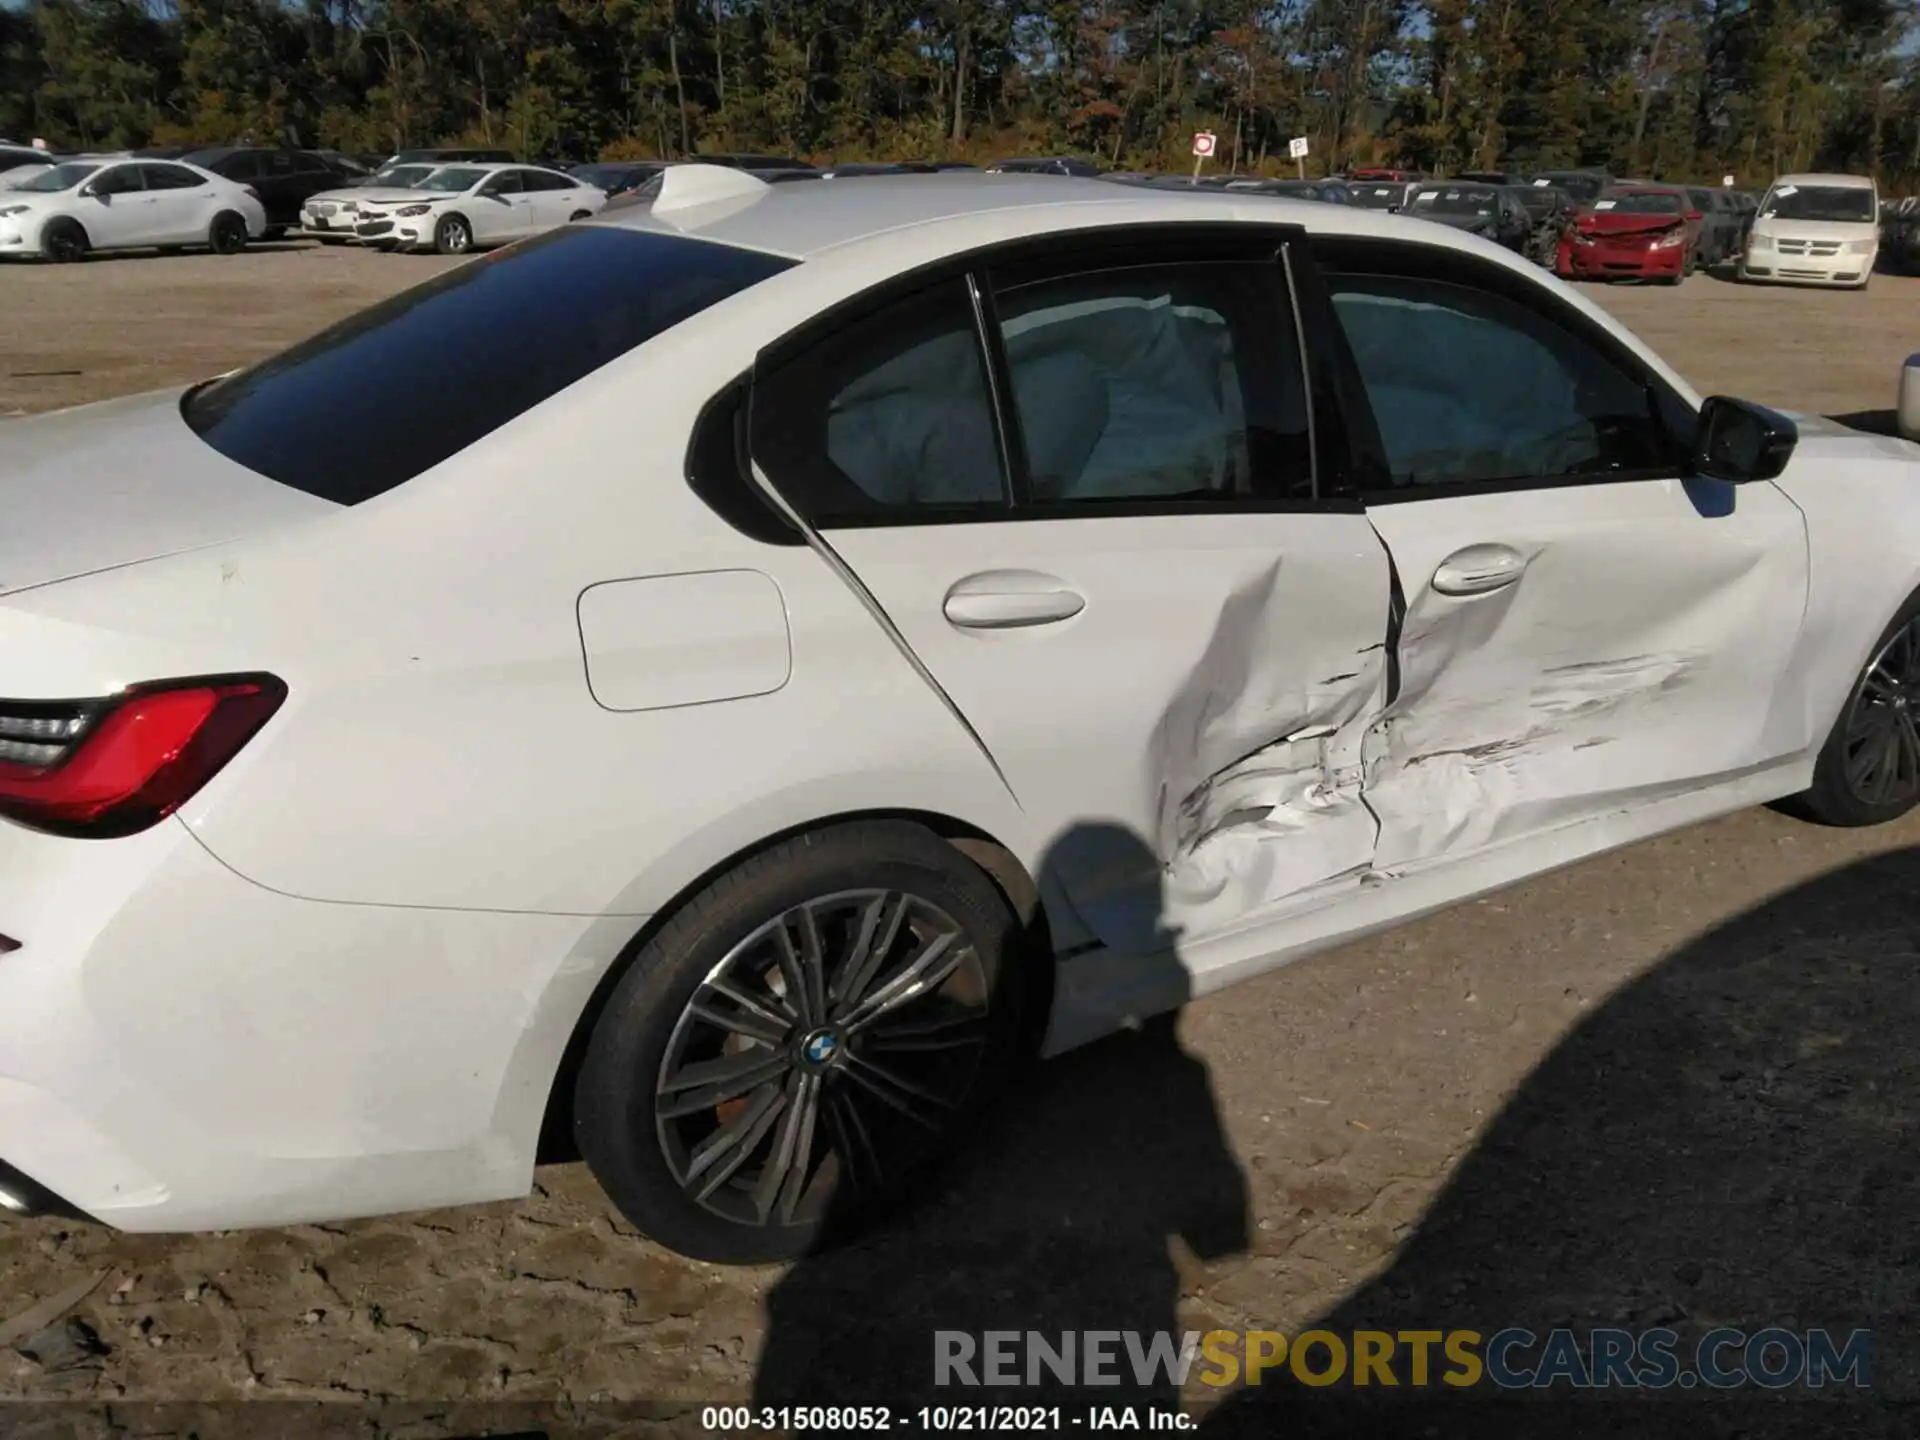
{"x": 1674, "y": 1085}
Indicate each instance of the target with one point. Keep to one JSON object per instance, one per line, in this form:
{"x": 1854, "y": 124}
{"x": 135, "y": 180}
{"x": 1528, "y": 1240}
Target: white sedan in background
{"x": 778, "y": 635}
{"x": 127, "y": 204}
{"x": 470, "y": 207}
{"x": 330, "y": 216}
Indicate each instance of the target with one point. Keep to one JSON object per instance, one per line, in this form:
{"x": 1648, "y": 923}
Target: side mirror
{"x": 1739, "y": 441}
{"x": 91, "y": 191}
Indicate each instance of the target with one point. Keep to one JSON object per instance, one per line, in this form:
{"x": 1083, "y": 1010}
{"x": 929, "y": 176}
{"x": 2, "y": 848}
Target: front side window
{"x": 1157, "y": 382}
{"x": 887, "y": 417}
{"x": 1470, "y": 386}
{"x": 120, "y": 180}
{"x": 508, "y": 182}
{"x": 366, "y": 405}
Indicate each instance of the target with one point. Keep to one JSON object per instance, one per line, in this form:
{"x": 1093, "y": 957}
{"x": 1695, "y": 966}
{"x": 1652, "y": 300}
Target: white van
{"x": 1815, "y": 229}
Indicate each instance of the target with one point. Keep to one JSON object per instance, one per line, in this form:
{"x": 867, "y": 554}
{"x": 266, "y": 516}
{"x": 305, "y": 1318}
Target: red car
{"x": 1399, "y": 176}
{"x": 1632, "y": 232}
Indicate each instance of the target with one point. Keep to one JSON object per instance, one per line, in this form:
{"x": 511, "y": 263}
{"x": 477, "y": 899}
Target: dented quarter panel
{"x": 1638, "y": 653}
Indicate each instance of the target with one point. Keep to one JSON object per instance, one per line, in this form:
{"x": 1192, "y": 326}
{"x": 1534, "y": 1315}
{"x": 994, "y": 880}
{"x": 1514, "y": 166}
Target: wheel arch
{"x": 997, "y": 860}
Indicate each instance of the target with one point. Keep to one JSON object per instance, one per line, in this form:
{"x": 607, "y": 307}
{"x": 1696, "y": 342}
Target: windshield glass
{"x": 1818, "y": 202}
{"x": 1379, "y": 197}
{"x": 1457, "y": 200}
{"x": 1583, "y": 188}
{"x": 1644, "y": 203}
{"x": 363, "y": 407}
{"x": 60, "y": 177}
{"x": 453, "y": 178}
{"x": 403, "y": 177}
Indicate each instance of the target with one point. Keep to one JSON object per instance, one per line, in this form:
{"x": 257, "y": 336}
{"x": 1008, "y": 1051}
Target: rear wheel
{"x": 801, "y": 1043}
{"x": 228, "y": 234}
{"x": 1869, "y": 769}
{"x": 64, "y": 241}
{"x": 579, "y": 215}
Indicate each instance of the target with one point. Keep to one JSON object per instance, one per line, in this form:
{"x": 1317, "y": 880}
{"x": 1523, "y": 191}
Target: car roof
{"x": 1838, "y": 182}
{"x": 801, "y": 221}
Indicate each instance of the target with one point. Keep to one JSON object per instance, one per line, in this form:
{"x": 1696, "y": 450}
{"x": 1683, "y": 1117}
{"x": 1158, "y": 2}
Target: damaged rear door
{"x": 1584, "y": 630}
{"x": 1079, "y": 482}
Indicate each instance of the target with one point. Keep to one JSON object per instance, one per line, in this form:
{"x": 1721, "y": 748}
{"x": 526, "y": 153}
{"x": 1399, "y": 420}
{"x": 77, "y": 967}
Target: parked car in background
{"x": 86, "y": 205}
{"x": 1815, "y": 230}
{"x": 617, "y": 177}
{"x": 1582, "y": 186}
{"x": 744, "y": 160}
{"x": 892, "y": 167}
{"x": 449, "y": 154}
{"x": 330, "y": 216}
{"x": 23, "y": 159}
{"x": 1380, "y": 194}
{"x": 474, "y": 207}
{"x": 1722, "y": 226}
{"x": 1899, "y": 234}
{"x": 1550, "y": 211}
{"x": 347, "y": 166}
{"x": 1631, "y": 232}
{"x": 1046, "y": 165}
{"x": 283, "y": 179}
{"x": 1330, "y": 192}
{"x": 1492, "y": 211}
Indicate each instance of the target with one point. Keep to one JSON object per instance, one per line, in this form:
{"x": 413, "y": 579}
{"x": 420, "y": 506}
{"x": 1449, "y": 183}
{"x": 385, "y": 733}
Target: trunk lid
{"x": 106, "y": 485}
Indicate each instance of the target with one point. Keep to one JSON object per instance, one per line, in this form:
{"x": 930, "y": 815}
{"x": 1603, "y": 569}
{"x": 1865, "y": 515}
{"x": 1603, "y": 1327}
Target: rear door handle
{"x": 1479, "y": 570}
{"x": 1009, "y": 599}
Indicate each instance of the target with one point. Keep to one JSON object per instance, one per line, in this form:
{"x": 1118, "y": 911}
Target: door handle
{"x": 1479, "y": 570}
{"x": 1009, "y": 599}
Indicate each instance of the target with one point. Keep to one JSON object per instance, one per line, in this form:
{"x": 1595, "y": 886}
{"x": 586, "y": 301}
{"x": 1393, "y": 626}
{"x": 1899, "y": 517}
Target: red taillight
{"x": 103, "y": 768}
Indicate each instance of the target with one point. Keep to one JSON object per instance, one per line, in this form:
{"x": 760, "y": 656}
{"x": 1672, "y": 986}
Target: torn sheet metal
{"x": 1187, "y": 744}
{"x": 1634, "y": 655}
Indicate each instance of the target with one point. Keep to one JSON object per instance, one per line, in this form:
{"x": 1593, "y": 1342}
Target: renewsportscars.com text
{"x": 1511, "y": 1359}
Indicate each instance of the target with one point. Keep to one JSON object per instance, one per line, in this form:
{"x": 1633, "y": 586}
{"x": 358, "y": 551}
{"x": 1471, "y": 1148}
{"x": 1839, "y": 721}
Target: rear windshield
{"x": 368, "y": 404}
{"x": 1457, "y": 200}
{"x": 1818, "y": 202}
{"x": 1379, "y": 197}
{"x": 1583, "y": 188}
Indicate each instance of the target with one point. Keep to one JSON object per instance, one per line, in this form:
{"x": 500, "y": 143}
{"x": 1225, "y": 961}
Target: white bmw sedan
{"x": 331, "y": 215}
{"x": 126, "y": 204}
{"x": 787, "y": 639}
{"x": 470, "y": 207}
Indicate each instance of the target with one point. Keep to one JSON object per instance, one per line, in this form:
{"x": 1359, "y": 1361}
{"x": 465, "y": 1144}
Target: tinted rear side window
{"x": 370, "y": 403}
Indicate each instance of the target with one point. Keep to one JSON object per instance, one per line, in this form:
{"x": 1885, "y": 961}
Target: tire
{"x": 228, "y": 234}
{"x": 651, "y": 1131}
{"x": 579, "y": 215}
{"x": 453, "y": 236}
{"x": 64, "y": 241}
{"x": 1880, "y": 719}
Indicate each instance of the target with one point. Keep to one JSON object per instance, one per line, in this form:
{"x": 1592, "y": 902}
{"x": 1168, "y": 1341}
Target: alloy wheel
{"x": 823, "y": 1057}
{"x": 1880, "y": 749}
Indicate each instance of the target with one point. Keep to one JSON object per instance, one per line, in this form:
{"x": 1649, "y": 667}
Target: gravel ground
{"x": 1673, "y": 1085}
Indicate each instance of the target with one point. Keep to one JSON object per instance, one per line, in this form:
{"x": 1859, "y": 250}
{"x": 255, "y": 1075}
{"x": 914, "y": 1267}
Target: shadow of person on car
{"x": 1056, "y": 1218}
{"x": 1728, "y": 1141}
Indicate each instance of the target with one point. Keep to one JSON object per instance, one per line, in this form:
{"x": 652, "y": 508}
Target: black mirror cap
{"x": 1740, "y": 441}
